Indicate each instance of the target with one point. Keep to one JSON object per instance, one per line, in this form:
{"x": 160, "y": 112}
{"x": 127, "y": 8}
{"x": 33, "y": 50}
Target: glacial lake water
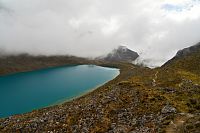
{"x": 24, "y": 92}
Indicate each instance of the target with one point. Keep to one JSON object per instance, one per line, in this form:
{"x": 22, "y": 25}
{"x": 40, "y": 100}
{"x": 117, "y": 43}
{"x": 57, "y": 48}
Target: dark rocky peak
{"x": 189, "y": 50}
{"x": 122, "y": 53}
{"x": 187, "y": 58}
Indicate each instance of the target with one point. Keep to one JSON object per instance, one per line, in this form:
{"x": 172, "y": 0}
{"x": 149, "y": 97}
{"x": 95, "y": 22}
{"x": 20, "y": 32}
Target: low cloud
{"x": 90, "y": 28}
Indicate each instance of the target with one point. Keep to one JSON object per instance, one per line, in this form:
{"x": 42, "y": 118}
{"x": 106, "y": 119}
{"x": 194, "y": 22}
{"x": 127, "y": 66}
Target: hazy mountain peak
{"x": 122, "y": 53}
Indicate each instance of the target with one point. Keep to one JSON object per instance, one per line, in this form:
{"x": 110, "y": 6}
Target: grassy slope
{"x": 183, "y": 75}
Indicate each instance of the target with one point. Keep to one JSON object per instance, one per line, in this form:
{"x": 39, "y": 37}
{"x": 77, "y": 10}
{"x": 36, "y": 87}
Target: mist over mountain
{"x": 188, "y": 51}
{"x": 185, "y": 53}
{"x": 186, "y": 59}
{"x": 122, "y": 53}
{"x": 156, "y": 30}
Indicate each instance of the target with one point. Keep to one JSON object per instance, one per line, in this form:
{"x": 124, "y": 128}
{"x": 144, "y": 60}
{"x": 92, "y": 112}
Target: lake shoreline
{"x": 81, "y": 95}
{"x": 103, "y": 65}
{"x": 71, "y": 90}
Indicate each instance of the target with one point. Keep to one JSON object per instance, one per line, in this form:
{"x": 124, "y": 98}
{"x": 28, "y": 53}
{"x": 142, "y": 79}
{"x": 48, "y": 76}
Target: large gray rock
{"x": 168, "y": 109}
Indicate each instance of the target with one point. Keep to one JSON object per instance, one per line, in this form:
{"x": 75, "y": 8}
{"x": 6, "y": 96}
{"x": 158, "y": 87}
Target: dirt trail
{"x": 155, "y": 78}
{"x": 177, "y": 126}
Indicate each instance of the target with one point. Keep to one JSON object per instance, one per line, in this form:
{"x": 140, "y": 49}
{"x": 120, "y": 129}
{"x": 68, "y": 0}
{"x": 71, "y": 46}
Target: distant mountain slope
{"x": 187, "y": 59}
{"x": 122, "y": 53}
{"x": 188, "y": 51}
{"x": 24, "y": 62}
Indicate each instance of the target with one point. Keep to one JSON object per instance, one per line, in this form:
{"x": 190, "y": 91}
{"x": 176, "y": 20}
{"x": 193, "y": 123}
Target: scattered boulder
{"x": 168, "y": 109}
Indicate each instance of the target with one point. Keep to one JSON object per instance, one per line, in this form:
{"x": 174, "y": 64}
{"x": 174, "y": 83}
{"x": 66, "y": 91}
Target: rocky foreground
{"x": 139, "y": 100}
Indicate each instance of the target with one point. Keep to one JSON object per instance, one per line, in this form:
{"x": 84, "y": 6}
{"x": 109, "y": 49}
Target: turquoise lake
{"x": 24, "y": 92}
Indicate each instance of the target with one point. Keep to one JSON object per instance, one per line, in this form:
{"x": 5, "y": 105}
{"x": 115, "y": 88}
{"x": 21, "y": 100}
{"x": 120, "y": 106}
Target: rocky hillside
{"x": 179, "y": 80}
{"x": 122, "y": 53}
{"x": 187, "y": 51}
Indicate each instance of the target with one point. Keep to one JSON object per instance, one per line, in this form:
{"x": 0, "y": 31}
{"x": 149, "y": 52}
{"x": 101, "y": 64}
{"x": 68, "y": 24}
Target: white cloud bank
{"x": 155, "y": 29}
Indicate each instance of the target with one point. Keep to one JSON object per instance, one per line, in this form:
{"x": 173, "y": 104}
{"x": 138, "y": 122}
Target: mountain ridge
{"x": 186, "y": 59}
{"x": 188, "y": 50}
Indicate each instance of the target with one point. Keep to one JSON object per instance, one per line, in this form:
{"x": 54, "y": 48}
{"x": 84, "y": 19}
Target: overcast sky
{"x": 156, "y": 29}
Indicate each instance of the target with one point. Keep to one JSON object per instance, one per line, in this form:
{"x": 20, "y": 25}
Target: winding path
{"x": 155, "y": 78}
